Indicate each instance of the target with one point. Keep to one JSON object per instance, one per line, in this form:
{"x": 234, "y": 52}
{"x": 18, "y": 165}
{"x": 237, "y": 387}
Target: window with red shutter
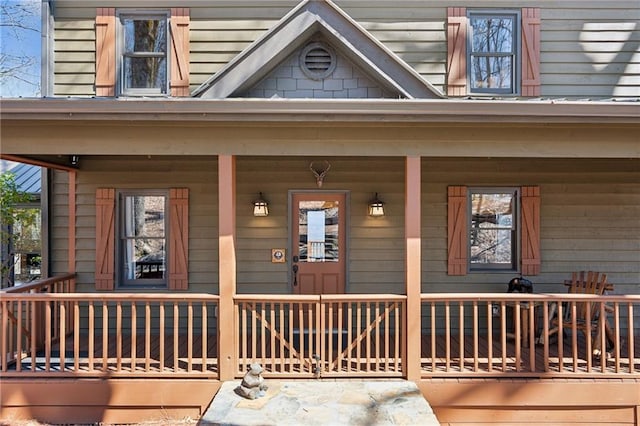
{"x": 153, "y": 48}
{"x": 493, "y": 51}
{"x": 493, "y": 229}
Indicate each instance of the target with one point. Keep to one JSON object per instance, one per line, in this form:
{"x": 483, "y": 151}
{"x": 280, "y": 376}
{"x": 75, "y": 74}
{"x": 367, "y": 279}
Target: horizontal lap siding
{"x": 591, "y": 51}
{"x": 589, "y": 211}
{"x": 75, "y": 56}
{"x": 376, "y": 255}
{"x": 588, "y": 49}
{"x": 199, "y": 175}
{"x": 59, "y": 223}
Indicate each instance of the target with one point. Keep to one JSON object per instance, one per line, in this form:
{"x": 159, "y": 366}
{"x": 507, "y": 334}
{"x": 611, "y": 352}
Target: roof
{"x": 242, "y": 110}
{"x": 27, "y": 177}
{"x": 309, "y": 18}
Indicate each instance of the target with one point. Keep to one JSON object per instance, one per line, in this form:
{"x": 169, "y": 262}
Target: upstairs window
{"x": 144, "y": 54}
{"x": 493, "y": 52}
{"x": 492, "y": 62}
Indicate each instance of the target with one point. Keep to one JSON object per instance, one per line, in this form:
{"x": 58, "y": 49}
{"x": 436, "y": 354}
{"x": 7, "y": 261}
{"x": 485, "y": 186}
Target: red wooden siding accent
{"x": 457, "y": 230}
{"x": 105, "y": 238}
{"x": 180, "y": 51}
{"x": 530, "y": 52}
{"x": 530, "y": 224}
{"x": 178, "y": 238}
{"x": 456, "y": 51}
{"x": 105, "y": 51}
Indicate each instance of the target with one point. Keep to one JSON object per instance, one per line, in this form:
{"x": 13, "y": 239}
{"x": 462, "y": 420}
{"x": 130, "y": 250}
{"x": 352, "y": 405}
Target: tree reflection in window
{"x": 145, "y": 54}
{"x": 492, "y": 59}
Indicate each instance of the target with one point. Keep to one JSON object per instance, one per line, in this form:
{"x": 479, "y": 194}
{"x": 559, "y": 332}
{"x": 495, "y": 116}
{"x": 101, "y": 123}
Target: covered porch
{"x": 52, "y": 334}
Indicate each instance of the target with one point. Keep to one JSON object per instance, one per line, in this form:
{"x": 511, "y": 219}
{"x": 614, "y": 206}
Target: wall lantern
{"x": 376, "y": 207}
{"x": 260, "y": 207}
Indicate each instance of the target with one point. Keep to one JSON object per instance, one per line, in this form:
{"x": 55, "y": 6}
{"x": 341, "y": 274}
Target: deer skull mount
{"x": 320, "y": 172}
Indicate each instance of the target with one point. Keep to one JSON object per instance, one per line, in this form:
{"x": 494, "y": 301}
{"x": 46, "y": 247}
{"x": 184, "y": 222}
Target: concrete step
{"x": 323, "y": 402}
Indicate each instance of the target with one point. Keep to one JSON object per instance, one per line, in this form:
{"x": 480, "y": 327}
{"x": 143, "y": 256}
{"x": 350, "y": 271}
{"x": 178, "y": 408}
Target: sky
{"x": 18, "y": 42}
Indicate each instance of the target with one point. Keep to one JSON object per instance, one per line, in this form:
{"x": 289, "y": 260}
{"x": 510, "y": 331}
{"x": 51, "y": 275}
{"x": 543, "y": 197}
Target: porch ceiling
{"x": 433, "y": 128}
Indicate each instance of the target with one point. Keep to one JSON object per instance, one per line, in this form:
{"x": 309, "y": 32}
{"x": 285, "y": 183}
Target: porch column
{"x": 226, "y": 264}
{"x": 71, "y": 268}
{"x": 413, "y": 267}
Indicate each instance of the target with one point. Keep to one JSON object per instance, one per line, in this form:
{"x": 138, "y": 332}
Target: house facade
{"x": 412, "y": 150}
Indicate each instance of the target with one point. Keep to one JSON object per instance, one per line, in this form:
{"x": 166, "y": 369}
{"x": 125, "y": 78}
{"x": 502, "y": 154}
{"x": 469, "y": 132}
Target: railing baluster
{"x": 91, "y": 334}
{"x": 47, "y": 348}
{"x": 162, "y": 324}
{"x": 134, "y": 336}
{"x": 461, "y": 336}
{"x": 18, "y": 355}
{"x": 119, "y": 336}
{"x": 630, "y": 339}
{"x": 447, "y": 336}
{"x": 475, "y": 336}
{"x": 76, "y": 336}
{"x": 204, "y": 335}
{"x": 176, "y": 336}
{"x": 147, "y": 337}
{"x": 105, "y": 336}
{"x": 489, "y": 336}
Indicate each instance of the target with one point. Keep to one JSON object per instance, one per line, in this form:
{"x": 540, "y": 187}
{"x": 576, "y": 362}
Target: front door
{"x": 318, "y": 240}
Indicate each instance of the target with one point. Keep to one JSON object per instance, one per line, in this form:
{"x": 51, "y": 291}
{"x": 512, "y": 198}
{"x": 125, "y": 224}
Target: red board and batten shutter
{"x": 105, "y": 238}
{"x": 457, "y": 230}
{"x": 179, "y": 239}
{"x": 530, "y": 228}
{"x": 179, "y": 51}
{"x": 456, "y": 51}
{"x": 530, "y": 52}
{"x": 105, "y": 51}
{"x": 178, "y": 235}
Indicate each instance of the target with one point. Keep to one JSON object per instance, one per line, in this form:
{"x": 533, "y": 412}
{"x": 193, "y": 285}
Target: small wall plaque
{"x": 278, "y": 255}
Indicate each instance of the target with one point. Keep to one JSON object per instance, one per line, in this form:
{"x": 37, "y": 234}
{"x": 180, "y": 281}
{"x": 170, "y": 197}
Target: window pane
{"x": 145, "y": 54}
{"x": 144, "y": 216}
{"x": 491, "y": 72}
{"x": 144, "y": 259}
{"x": 145, "y": 35}
{"x": 492, "y": 229}
{"x": 318, "y": 230}
{"x": 492, "y": 34}
{"x": 145, "y": 73}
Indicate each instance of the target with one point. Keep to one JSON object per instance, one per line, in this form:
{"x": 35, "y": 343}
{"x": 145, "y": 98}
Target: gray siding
{"x": 198, "y": 174}
{"x": 589, "y": 217}
{"x": 589, "y": 49}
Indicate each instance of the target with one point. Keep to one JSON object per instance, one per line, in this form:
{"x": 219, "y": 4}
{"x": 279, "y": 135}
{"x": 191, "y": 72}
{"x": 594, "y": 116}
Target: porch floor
{"x": 323, "y": 402}
{"x": 150, "y": 359}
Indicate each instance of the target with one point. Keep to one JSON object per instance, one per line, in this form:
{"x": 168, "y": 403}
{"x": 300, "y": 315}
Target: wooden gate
{"x": 322, "y": 336}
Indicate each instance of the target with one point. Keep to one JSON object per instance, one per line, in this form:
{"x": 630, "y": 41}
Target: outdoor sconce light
{"x": 260, "y": 207}
{"x": 74, "y": 160}
{"x": 376, "y": 207}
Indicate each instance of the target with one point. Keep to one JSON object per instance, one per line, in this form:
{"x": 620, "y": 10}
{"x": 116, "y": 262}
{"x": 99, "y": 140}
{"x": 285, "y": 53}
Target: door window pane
{"x": 318, "y": 231}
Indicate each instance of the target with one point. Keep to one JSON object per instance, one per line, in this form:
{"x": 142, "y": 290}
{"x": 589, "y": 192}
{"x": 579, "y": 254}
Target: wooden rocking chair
{"x": 587, "y": 317}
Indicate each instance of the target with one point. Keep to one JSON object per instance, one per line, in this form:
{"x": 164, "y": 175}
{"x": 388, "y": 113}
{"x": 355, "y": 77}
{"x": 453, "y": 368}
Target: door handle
{"x": 295, "y": 275}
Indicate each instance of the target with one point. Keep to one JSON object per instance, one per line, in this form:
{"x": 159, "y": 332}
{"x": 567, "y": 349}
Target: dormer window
{"x": 144, "y": 54}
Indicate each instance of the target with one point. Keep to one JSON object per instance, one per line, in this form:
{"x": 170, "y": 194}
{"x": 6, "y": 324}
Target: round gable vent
{"x": 317, "y": 60}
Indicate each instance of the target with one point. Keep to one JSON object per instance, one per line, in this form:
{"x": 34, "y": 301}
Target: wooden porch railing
{"x": 108, "y": 335}
{"x": 328, "y": 335}
{"x": 468, "y": 335}
{"x": 47, "y": 330}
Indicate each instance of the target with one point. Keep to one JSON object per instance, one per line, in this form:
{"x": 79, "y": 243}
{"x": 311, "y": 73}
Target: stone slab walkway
{"x": 323, "y": 402}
